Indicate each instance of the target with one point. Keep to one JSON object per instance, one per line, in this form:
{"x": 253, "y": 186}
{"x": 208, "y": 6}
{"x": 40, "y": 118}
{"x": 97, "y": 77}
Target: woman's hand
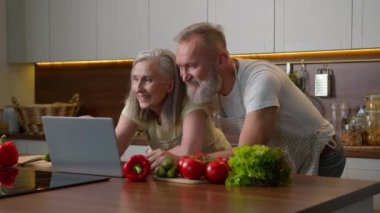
{"x": 156, "y": 156}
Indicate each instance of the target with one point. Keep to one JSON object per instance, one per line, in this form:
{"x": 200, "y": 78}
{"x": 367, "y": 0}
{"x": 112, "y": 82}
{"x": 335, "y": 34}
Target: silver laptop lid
{"x": 85, "y": 145}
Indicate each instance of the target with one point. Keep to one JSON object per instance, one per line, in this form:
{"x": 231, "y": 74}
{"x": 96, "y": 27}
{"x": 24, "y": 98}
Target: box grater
{"x": 323, "y": 82}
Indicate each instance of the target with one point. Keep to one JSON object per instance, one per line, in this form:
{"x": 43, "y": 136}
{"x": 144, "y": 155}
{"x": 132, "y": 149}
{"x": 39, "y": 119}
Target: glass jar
{"x": 352, "y": 135}
{"x": 360, "y": 121}
{"x": 373, "y": 118}
{"x": 372, "y": 102}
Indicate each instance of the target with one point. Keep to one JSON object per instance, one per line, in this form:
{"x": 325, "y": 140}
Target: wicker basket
{"x": 30, "y": 116}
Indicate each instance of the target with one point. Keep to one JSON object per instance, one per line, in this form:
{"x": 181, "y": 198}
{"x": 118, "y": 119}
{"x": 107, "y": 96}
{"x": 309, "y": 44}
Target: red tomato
{"x": 180, "y": 162}
{"x": 193, "y": 169}
{"x": 217, "y": 171}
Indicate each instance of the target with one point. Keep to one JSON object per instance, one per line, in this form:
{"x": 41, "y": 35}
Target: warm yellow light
{"x": 317, "y": 56}
{"x": 84, "y": 62}
{"x": 307, "y": 57}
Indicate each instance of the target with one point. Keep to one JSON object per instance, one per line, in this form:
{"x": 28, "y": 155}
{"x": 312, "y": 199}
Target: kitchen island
{"x": 305, "y": 194}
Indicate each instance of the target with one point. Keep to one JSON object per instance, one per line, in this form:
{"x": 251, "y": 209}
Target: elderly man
{"x": 259, "y": 103}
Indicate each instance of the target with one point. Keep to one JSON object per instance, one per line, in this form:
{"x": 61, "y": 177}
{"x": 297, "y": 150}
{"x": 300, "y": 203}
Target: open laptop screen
{"x": 85, "y": 145}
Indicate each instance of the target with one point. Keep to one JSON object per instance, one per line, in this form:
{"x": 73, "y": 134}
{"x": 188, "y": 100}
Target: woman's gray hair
{"x": 172, "y": 106}
{"x": 212, "y": 35}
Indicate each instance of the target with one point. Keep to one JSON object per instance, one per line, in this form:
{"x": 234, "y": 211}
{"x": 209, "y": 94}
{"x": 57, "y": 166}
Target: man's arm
{"x": 257, "y": 129}
{"x": 258, "y": 126}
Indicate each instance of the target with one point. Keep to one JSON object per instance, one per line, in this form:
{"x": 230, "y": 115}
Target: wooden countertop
{"x": 305, "y": 194}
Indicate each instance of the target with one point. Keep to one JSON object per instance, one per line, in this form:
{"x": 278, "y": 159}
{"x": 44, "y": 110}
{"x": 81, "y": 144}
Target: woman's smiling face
{"x": 149, "y": 86}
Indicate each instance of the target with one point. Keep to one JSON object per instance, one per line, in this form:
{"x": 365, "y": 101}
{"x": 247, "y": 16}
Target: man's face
{"x": 198, "y": 69}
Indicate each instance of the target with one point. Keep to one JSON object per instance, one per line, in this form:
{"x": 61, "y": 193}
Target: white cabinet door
{"x": 28, "y": 30}
{"x": 247, "y": 24}
{"x": 122, "y": 28}
{"x": 72, "y": 30}
{"x": 365, "y": 169}
{"x": 366, "y": 24}
{"x": 168, "y": 17}
{"x": 302, "y": 25}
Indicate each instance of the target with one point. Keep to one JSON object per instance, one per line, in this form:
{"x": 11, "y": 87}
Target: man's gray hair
{"x": 211, "y": 34}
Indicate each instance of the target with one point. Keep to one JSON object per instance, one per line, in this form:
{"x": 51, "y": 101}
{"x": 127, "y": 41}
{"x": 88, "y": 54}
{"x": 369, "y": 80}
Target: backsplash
{"x": 103, "y": 88}
{"x": 350, "y": 83}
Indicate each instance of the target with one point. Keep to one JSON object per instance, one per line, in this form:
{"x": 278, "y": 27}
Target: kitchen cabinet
{"x": 366, "y": 169}
{"x": 56, "y": 30}
{"x": 73, "y": 30}
{"x": 305, "y": 25}
{"x": 122, "y": 28}
{"x": 168, "y": 17}
{"x": 366, "y": 25}
{"x": 27, "y": 31}
{"x": 247, "y": 24}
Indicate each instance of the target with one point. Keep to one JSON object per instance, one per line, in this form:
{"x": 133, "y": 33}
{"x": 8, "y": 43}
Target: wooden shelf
{"x": 363, "y": 151}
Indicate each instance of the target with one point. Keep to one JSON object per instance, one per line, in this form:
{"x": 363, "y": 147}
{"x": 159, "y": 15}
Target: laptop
{"x": 84, "y": 145}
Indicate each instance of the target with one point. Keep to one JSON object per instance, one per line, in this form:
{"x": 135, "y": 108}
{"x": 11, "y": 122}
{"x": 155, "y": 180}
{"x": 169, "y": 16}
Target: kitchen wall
{"x": 350, "y": 83}
{"x": 103, "y": 87}
{"x": 17, "y": 80}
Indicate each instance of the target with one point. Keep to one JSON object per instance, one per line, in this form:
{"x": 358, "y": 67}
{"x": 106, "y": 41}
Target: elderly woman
{"x": 158, "y": 104}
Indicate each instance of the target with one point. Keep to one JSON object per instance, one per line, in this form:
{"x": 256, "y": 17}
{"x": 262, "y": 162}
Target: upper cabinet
{"x": 247, "y": 24}
{"x": 168, "y": 17}
{"x": 27, "y": 31}
{"x": 63, "y": 30}
{"x": 366, "y": 25}
{"x": 303, "y": 25}
{"x": 72, "y": 30}
{"x": 122, "y": 29}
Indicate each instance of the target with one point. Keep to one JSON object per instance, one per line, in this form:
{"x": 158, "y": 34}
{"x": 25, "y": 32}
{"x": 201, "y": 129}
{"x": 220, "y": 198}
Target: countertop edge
{"x": 352, "y": 152}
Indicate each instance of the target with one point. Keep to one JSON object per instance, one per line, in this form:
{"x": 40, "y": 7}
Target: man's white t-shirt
{"x": 300, "y": 130}
{"x": 261, "y": 84}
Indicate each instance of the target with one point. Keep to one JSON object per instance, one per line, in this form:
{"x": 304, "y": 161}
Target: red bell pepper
{"x": 137, "y": 168}
{"x": 8, "y": 153}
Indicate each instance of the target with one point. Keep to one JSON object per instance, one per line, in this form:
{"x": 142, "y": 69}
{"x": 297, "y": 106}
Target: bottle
{"x": 361, "y": 120}
{"x": 344, "y": 111}
{"x": 335, "y": 119}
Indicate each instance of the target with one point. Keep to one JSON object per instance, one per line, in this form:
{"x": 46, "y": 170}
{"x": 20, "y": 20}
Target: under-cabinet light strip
{"x": 331, "y": 56}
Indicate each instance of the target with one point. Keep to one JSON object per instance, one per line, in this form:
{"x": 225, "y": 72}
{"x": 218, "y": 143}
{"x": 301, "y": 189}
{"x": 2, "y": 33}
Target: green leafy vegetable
{"x": 258, "y": 165}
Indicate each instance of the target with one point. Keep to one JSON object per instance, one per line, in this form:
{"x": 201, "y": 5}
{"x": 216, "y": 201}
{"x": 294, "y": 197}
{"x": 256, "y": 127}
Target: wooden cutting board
{"x": 181, "y": 180}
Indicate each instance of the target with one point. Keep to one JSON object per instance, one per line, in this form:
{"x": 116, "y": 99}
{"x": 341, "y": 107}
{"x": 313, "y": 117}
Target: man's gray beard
{"x": 207, "y": 90}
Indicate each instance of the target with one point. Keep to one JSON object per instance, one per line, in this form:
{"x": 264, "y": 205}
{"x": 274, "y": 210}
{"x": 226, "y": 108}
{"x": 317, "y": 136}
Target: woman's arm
{"x": 193, "y": 137}
{"x": 194, "y": 130}
{"x": 125, "y": 130}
